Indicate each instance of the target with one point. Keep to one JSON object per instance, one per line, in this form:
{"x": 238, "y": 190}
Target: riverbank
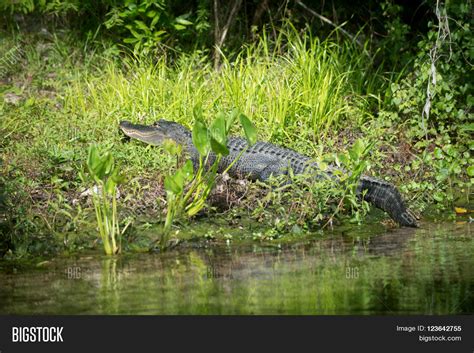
{"x": 59, "y": 94}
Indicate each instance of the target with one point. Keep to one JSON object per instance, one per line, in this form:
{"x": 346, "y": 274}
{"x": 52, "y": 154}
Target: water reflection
{"x": 356, "y": 271}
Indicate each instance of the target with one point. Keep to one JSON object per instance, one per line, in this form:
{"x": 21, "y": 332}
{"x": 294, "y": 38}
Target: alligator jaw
{"x": 149, "y": 134}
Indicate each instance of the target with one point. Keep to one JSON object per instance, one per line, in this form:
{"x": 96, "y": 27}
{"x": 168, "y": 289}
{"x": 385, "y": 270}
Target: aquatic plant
{"x": 103, "y": 172}
{"x": 187, "y": 190}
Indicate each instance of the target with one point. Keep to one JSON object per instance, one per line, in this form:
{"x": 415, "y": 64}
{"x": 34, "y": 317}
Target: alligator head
{"x": 157, "y": 133}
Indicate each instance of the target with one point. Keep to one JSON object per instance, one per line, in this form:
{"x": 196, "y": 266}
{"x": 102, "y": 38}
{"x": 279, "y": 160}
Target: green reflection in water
{"x": 428, "y": 270}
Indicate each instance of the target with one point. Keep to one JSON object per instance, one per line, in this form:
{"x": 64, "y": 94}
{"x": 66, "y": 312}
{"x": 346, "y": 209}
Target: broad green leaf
{"x": 155, "y": 21}
{"x": 172, "y": 185}
{"x": 180, "y": 178}
{"x": 172, "y": 147}
{"x": 110, "y": 186}
{"x": 175, "y": 183}
{"x": 438, "y": 153}
{"x": 135, "y": 33}
{"x": 96, "y": 164}
{"x": 450, "y": 150}
{"x": 136, "y": 47}
{"x": 183, "y": 21}
{"x": 158, "y": 34}
{"x": 179, "y": 27}
{"x": 201, "y": 137}
{"x": 92, "y": 159}
{"x": 188, "y": 170}
{"x": 142, "y": 25}
{"x": 131, "y": 40}
{"x": 108, "y": 163}
{"x": 151, "y": 13}
{"x": 342, "y": 158}
{"x": 234, "y": 114}
{"x": 470, "y": 171}
{"x": 438, "y": 196}
{"x": 117, "y": 177}
{"x": 218, "y": 130}
{"x": 249, "y": 129}
{"x": 357, "y": 150}
{"x": 219, "y": 148}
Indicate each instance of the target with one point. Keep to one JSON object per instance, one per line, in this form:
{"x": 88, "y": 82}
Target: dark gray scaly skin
{"x": 264, "y": 159}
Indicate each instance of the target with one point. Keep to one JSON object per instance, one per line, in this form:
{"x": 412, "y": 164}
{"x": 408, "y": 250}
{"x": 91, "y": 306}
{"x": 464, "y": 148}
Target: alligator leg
{"x": 273, "y": 169}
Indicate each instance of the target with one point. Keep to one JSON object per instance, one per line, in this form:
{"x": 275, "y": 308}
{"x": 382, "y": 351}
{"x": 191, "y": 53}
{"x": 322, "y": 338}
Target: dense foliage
{"x": 313, "y": 76}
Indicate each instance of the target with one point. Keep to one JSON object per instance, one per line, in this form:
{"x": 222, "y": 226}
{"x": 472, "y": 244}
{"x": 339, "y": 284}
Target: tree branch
{"x": 220, "y": 39}
{"x": 230, "y": 19}
{"x": 328, "y": 21}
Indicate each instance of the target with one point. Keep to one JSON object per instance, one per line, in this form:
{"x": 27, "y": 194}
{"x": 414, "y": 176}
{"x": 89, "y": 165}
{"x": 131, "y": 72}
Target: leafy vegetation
{"x": 186, "y": 190}
{"x": 434, "y": 103}
{"x": 146, "y": 23}
{"x": 102, "y": 171}
{"x": 310, "y": 203}
{"x": 304, "y": 85}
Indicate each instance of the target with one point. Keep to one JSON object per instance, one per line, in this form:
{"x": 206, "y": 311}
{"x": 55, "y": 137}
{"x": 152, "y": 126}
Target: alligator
{"x": 262, "y": 160}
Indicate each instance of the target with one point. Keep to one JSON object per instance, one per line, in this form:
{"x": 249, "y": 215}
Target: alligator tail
{"x": 386, "y": 197}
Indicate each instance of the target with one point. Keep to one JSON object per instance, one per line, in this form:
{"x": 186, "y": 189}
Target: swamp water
{"x": 357, "y": 270}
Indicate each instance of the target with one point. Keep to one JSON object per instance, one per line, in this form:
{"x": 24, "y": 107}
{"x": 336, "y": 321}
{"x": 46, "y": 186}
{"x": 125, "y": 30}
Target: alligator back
{"x": 261, "y": 160}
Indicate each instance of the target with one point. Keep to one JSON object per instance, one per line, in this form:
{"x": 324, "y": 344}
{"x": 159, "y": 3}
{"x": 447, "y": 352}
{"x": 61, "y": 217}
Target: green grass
{"x": 304, "y": 83}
